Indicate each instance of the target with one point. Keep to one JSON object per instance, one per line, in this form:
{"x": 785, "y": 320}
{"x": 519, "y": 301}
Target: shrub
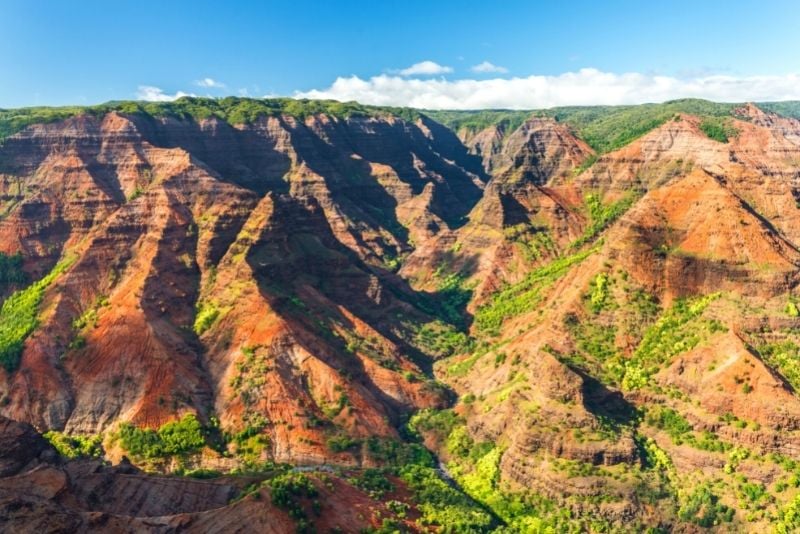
{"x": 398, "y": 453}
{"x": 287, "y": 489}
{"x": 373, "y": 481}
{"x": 669, "y": 421}
{"x": 703, "y": 508}
{"x": 75, "y": 446}
{"x": 207, "y": 314}
{"x": 174, "y": 438}
{"x": 441, "y": 340}
{"x": 718, "y": 128}
{"x": 443, "y": 505}
{"x": 785, "y": 357}
{"x": 789, "y": 517}
{"x": 599, "y": 292}
{"x": 341, "y": 443}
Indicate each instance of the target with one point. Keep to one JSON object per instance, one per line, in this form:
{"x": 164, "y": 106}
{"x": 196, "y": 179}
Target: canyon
{"x": 227, "y": 314}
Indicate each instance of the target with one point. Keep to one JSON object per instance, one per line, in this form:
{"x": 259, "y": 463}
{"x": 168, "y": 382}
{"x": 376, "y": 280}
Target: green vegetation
{"x": 601, "y": 216}
{"x": 251, "y": 373}
{"x": 341, "y": 443}
{"x": 207, "y": 314}
{"x": 11, "y": 272}
{"x": 599, "y": 292}
{"x": 75, "y": 446}
{"x": 604, "y": 128}
{"x": 373, "y": 481}
{"x": 534, "y": 243}
{"x": 783, "y": 356}
{"x": 596, "y": 340}
{"x": 251, "y": 441}
{"x": 681, "y": 431}
{"x": 702, "y": 507}
{"x": 719, "y": 128}
{"x": 524, "y": 295}
{"x": 233, "y": 110}
{"x": 14, "y": 120}
{"x": 175, "y": 438}
{"x": 440, "y": 339}
{"x": 475, "y": 121}
{"x": 613, "y": 309}
{"x": 678, "y": 330}
{"x": 397, "y": 453}
{"x": 136, "y": 193}
{"x": 670, "y": 421}
{"x": 790, "y": 108}
{"x": 287, "y": 491}
{"x": 88, "y": 319}
{"x": 607, "y": 128}
{"x": 789, "y": 517}
{"x": 19, "y": 317}
{"x": 443, "y": 505}
{"x": 475, "y": 466}
{"x": 452, "y": 297}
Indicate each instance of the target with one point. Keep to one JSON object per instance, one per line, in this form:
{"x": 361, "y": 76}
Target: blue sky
{"x": 534, "y": 54}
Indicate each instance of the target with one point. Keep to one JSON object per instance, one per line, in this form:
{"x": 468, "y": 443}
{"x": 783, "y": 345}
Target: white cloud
{"x": 488, "y": 67}
{"x": 155, "y": 94}
{"x": 425, "y": 68}
{"x": 584, "y": 87}
{"x": 210, "y": 83}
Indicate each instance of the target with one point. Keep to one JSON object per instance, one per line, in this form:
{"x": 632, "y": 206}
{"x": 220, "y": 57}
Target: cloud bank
{"x": 584, "y": 87}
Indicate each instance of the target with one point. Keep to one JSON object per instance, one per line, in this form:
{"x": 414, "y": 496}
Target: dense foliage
{"x": 287, "y": 489}
{"x": 443, "y": 505}
{"x": 173, "y": 438}
{"x": 233, "y": 110}
{"x": 607, "y": 128}
{"x": 475, "y": 121}
{"x": 789, "y": 108}
{"x": 11, "y": 272}
{"x": 75, "y": 446}
{"x": 719, "y": 128}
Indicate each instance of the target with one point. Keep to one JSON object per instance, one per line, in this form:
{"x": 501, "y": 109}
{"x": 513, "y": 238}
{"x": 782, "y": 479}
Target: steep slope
{"x": 206, "y": 268}
{"x": 607, "y": 378}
